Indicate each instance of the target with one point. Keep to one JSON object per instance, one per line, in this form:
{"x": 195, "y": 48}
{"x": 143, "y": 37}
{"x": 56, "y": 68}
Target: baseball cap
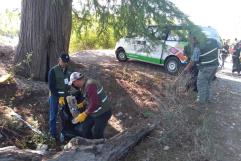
{"x": 64, "y": 57}
{"x": 75, "y": 76}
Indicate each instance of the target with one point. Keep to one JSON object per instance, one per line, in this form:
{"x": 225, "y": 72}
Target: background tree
{"x": 46, "y": 26}
{"x": 44, "y": 34}
{"x": 127, "y": 17}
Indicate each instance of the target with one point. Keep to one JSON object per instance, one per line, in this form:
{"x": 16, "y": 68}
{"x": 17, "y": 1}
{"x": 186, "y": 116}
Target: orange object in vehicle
{"x": 181, "y": 56}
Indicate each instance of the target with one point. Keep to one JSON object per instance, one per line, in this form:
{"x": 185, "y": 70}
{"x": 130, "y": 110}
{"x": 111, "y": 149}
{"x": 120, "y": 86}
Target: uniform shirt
{"x": 93, "y": 99}
{"x": 52, "y": 82}
{"x": 196, "y": 55}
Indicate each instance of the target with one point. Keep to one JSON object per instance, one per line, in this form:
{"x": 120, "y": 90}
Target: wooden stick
{"x": 178, "y": 77}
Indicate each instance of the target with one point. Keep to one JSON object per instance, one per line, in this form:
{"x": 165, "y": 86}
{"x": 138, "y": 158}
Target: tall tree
{"x": 44, "y": 34}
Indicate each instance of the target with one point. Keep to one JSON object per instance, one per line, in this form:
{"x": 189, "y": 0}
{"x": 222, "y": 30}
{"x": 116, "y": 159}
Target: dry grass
{"x": 185, "y": 128}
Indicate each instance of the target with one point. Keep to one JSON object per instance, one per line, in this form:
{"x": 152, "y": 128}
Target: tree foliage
{"x": 128, "y": 17}
{"x": 9, "y": 22}
{"x": 9, "y": 26}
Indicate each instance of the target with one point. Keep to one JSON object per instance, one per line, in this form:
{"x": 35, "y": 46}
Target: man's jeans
{"x": 205, "y": 77}
{"x": 93, "y": 127}
{"x": 53, "y": 101}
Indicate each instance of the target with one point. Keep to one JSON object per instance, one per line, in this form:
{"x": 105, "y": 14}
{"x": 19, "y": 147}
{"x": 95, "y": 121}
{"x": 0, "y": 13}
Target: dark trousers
{"x": 93, "y": 127}
{"x": 224, "y": 56}
{"x": 192, "y": 82}
{"x": 236, "y": 64}
{"x": 65, "y": 115}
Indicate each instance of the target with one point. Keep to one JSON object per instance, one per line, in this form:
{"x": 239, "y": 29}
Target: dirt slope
{"x": 140, "y": 91}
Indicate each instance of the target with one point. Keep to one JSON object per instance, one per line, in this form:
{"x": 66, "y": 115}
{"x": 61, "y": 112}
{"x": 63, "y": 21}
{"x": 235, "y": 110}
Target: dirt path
{"x": 227, "y": 111}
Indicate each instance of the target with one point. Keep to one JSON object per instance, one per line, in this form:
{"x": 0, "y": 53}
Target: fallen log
{"x": 84, "y": 149}
{"x": 110, "y": 150}
{"x": 12, "y": 153}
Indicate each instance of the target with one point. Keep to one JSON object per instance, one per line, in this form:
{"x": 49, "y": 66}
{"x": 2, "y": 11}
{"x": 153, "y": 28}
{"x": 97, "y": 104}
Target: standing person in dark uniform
{"x": 224, "y": 52}
{"x": 98, "y": 111}
{"x": 236, "y": 58}
{"x": 58, "y": 79}
{"x": 58, "y": 86}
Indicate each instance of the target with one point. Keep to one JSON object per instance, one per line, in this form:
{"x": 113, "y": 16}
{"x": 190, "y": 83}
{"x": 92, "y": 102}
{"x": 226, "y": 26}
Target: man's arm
{"x": 52, "y": 83}
{"x": 93, "y": 99}
{"x": 194, "y": 59}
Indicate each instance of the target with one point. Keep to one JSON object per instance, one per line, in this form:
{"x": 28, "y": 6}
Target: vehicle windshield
{"x": 210, "y": 32}
{"x": 170, "y": 33}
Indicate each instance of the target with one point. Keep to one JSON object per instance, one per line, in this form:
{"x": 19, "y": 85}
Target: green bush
{"x": 91, "y": 40}
{"x": 85, "y": 36}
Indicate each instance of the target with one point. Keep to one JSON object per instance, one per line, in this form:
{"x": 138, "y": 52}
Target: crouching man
{"x": 95, "y": 118}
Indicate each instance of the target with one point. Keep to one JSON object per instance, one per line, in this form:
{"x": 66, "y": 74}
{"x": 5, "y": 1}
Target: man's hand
{"x": 80, "y": 118}
{"x": 61, "y": 101}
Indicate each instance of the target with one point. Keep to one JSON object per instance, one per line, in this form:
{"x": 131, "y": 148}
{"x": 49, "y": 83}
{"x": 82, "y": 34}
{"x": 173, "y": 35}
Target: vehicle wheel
{"x": 172, "y": 65}
{"x": 121, "y": 55}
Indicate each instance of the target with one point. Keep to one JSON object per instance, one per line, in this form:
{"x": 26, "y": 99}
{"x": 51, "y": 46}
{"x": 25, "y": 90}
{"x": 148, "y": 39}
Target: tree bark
{"x": 44, "y": 34}
{"x": 110, "y": 150}
{"x": 86, "y": 150}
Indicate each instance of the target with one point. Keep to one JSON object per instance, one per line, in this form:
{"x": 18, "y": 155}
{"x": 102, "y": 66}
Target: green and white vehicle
{"x": 168, "y": 49}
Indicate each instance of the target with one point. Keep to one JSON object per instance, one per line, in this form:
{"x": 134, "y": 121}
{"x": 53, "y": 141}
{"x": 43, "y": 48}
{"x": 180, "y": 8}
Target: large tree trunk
{"x": 44, "y": 35}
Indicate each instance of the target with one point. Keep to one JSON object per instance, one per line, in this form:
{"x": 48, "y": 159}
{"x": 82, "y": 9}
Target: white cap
{"x": 75, "y": 76}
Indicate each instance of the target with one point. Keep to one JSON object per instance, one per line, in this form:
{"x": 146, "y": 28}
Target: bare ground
{"x": 138, "y": 92}
{"x": 198, "y": 134}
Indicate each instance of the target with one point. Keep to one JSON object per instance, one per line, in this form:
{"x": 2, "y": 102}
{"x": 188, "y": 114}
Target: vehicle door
{"x": 156, "y": 48}
{"x": 139, "y": 45}
{"x": 176, "y": 40}
{"x": 151, "y": 49}
{"x": 129, "y": 46}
